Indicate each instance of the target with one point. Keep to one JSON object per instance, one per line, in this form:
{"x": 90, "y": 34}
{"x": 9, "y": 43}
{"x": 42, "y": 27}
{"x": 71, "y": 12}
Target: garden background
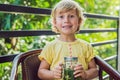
{"x": 15, "y": 45}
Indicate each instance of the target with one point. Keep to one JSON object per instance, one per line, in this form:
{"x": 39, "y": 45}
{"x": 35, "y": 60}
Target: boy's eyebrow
{"x": 60, "y": 12}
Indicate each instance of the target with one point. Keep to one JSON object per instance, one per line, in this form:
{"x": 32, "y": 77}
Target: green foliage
{"x": 16, "y": 21}
{"x": 5, "y": 70}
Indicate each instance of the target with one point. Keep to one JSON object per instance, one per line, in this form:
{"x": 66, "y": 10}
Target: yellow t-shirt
{"x": 55, "y": 51}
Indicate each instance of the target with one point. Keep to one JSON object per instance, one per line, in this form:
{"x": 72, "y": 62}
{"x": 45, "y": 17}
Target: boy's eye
{"x": 60, "y": 16}
{"x": 71, "y": 16}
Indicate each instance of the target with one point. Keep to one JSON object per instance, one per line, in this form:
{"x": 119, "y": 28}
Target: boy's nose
{"x": 66, "y": 19}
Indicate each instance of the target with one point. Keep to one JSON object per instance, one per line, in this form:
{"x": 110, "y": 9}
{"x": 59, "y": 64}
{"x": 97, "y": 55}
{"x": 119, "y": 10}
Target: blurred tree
{"x": 16, "y": 21}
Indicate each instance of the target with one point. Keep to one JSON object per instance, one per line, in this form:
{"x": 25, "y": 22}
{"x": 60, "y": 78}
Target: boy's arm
{"x": 45, "y": 73}
{"x": 92, "y": 71}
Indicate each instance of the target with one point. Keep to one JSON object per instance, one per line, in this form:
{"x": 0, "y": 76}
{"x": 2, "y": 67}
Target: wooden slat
{"x": 7, "y": 8}
{"x": 6, "y": 34}
{"x": 103, "y": 43}
{"x": 107, "y": 68}
{"x": 118, "y": 44}
{"x": 110, "y": 58}
{"x": 23, "y": 33}
{"x": 7, "y": 58}
{"x": 102, "y": 16}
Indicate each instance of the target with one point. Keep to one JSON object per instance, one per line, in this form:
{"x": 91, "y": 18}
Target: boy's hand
{"x": 79, "y": 71}
{"x": 57, "y": 72}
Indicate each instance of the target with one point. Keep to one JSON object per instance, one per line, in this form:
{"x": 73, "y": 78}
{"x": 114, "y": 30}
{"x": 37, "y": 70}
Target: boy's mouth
{"x": 66, "y": 26}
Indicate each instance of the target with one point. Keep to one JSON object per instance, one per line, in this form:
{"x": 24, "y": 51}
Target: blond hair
{"x": 67, "y": 5}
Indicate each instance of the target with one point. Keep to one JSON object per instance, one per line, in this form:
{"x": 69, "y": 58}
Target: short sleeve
{"x": 46, "y": 54}
{"x": 89, "y": 54}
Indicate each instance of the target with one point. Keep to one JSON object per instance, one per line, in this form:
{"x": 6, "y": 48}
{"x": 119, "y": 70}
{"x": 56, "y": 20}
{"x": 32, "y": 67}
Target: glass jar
{"x": 68, "y": 70}
{"x": 70, "y": 62}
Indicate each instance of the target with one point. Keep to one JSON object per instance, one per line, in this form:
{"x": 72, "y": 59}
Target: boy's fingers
{"x": 79, "y": 65}
{"x": 60, "y": 64}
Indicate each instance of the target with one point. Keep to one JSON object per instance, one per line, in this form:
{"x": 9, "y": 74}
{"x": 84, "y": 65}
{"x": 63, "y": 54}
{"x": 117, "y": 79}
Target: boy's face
{"x": 67, "y": 22}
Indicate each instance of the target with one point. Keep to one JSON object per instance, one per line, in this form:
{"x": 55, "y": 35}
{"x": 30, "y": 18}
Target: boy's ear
{"x": 53, "y": 22}
{"x": 79, "y": 21}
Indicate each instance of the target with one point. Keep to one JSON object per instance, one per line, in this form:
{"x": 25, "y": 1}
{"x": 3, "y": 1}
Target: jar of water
{"x": 69, "y": 64}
